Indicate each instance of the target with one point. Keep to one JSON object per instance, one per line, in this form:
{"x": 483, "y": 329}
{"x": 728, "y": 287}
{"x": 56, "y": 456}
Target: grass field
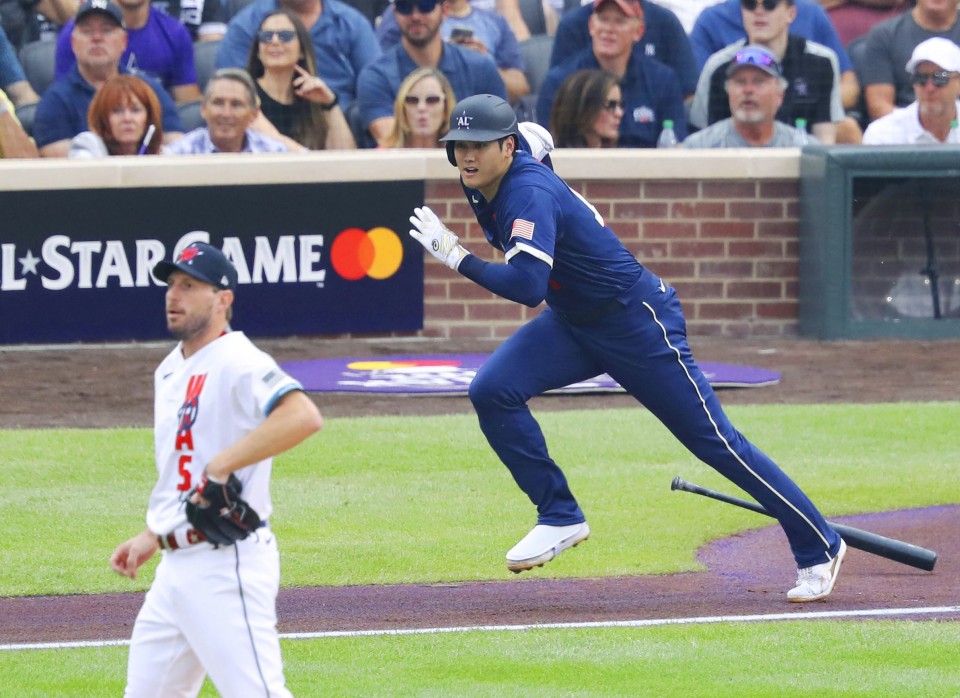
{"x": 389, "y": 500}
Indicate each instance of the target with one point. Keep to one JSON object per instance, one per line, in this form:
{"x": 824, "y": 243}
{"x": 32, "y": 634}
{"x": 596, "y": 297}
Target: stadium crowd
{"x": 294, "y": 75}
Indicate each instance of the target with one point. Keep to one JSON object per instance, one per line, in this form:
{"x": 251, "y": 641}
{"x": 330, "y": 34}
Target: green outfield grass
{"x": 391, "y": 500}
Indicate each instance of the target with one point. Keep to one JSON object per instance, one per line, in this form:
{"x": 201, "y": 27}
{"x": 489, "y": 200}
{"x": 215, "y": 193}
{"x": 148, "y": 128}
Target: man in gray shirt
{"x": 755, "y": 87}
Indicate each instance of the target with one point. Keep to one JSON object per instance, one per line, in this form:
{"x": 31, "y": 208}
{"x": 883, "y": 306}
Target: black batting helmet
{"x": 481, "y": 118}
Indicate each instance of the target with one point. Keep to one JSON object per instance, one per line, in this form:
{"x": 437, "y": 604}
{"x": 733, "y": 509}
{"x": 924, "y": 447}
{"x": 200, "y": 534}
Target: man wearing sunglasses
{"x": 934, "y": 70}
{"x": 811, "y": 70}
{"x": 755, "y": 87}
{"x": 651, "y": 90}
{"x": 342, "y": 37}
{"x": 421, "y": 46}
{"x": 889, "y": 46}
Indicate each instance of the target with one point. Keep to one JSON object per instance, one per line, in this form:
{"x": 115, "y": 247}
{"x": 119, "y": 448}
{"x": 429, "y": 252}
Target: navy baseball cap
{"x": 203, "y": 262}
{"x": 104, "y": 7}
{"x": 754, "y": 56}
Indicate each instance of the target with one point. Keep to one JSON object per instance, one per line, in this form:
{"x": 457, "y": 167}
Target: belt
{"x": 185, "y": 537}
{"x": 591, "y": 316}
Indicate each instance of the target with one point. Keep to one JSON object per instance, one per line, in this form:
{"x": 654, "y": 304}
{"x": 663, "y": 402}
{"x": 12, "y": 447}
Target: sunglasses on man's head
{"x": 285, "y": 35}
{"x": 940, "y": 79}
{"x": 751, "y": 5}
{"x": 405, "y": 7}
{"x": 753, "y": 57}
{"x": 414, "y": 101}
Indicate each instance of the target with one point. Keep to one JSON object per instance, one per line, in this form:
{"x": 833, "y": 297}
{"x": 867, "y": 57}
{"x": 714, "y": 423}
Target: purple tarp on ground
{"x": 450, "y": 374}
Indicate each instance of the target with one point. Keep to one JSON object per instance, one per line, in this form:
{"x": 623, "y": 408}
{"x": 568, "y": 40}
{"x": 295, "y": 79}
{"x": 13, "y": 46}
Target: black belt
{"x": 588, "y": 317}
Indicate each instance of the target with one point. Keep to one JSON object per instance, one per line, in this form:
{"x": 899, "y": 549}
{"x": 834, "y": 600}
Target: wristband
{"x": 335, "y": 102}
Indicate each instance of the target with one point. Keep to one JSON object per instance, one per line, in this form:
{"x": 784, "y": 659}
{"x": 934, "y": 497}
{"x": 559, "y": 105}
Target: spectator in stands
{"x": 14, "y": 141}
{"x": 13, "y": 81}
{"x": 293, "y": 98}
{"x": 934, "y": 70}
{"x": 98, "y": 41}
{"x": 481, "y": 30}
{"x": 25, "y": 21}
{"x": 755, "y": 90}
{"x": 890, "y": 45}
{"x": 811, "y": 70}
{"x": 721, "y": 25}
{"x": 855, "y": 18}
{"x": 587, "y": 110}
{"x": 205, "y": 20}
{"x": 421, "y": 111}
{"x": 651, "y": 90}
{"x": 157, "y": 44}
{"x": 124, "y": 119}
{"x": 229, "y": 110}
{"x": 343, "y": 40}
{"x": 663, "y": 38}
{"x": 421, "y": 45}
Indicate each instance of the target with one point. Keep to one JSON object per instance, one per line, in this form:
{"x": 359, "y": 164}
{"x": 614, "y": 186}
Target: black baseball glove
{"x": 220, "y": 513}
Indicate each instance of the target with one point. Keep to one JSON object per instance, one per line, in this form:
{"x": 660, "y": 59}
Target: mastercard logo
{"x": 357, "y": 253}
{"x": 402, "y": 364}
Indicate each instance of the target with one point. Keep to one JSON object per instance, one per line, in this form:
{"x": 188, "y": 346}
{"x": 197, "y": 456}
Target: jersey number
{"x": 185, "y": 480}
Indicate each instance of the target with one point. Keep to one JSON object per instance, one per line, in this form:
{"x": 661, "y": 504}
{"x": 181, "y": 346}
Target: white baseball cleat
{"x": 543, "y": 544}
{"x": 814, "y": 583}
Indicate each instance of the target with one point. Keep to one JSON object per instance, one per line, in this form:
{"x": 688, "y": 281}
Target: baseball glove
{"x": 217, "y": 510}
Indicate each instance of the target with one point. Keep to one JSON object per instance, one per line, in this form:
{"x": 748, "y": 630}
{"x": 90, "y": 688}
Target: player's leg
{"x": 660, "y": 371}
{"x": 161, "y": 663}
{"x": 233, "y": 626}
{"x": 541, "y": 356}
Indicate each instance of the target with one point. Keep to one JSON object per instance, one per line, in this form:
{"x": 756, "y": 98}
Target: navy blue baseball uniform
{"x": 606, "y": 313}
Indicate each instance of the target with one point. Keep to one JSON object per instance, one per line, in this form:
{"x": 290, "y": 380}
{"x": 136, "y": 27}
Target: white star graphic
{"x": 28, "y": 264}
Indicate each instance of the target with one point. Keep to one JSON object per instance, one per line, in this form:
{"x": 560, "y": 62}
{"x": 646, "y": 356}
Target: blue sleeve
{"x": 375, "y": 95}
{"x": 64, "y": 58}
{"x": 10, "y": 69}
{"x": 490, "y": 81}
{"x": 363, "y": 45}
{"x": 523, "y": 280}
{"x": 548, "y": 90}
{"x": 388, "y": 32}
{"x": 671, "y": 106}
{"x": 571, "y": 37}
{"x": 185, "y": 72}
{"x": 507, "y": 52}
{"x": 702, "y": 38}
{"x": 680, "y": 52}
{"x": 235, "y": 45}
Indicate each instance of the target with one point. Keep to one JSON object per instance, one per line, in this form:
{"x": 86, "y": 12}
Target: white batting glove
{"x": 436, "y": 238}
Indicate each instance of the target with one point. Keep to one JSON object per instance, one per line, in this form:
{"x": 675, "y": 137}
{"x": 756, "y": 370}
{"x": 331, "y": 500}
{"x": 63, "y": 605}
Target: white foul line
{"x": 648, "y": 623}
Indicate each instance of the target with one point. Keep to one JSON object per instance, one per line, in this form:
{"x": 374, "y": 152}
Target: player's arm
{"x": 293, "y": 419}
{"x": 131, "y": 554}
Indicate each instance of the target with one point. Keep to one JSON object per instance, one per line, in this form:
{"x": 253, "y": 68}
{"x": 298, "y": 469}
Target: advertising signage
{"x": 318, "y": 258}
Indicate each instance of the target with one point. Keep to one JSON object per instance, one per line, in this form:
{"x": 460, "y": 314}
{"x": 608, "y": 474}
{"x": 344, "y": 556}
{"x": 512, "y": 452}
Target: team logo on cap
{"x": 99, "y": 4}
{"x": 188, "y": 253}
{"x": 463, "y": 121}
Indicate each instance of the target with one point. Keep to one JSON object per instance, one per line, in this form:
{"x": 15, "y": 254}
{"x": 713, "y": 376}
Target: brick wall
{"x": 728, "y": 247}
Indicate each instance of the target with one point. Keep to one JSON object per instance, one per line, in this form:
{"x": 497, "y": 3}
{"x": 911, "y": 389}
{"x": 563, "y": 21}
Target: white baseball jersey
{"x": 202, "y": 405}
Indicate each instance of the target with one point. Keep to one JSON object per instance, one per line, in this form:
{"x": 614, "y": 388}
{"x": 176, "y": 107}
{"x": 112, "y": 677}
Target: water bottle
{"x": 800, "y": 137}
{"x": 668, "y": 137}
{"x": 953, "y": 138}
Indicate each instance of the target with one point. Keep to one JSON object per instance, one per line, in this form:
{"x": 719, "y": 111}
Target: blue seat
{"x": 25, "y": 114}
{"x": 205, "y": 61}
{"x": 190, "y": 115}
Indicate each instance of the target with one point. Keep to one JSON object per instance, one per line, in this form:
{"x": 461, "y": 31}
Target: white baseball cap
{"x": 941, "y": 52}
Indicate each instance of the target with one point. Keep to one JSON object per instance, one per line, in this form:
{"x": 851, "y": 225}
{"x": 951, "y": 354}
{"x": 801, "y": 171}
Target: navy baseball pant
{"x": 644, "y": 348}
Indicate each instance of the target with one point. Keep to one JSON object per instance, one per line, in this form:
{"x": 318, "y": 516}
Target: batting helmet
{"x": 481, "y": 118}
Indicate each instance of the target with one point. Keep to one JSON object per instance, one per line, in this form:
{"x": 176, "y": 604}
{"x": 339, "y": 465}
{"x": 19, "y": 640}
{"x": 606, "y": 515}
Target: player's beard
{"x": 190, "y": 327}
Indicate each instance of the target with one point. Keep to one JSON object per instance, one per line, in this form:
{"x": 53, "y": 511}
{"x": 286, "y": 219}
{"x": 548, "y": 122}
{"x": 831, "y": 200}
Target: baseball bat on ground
{"x": 890, "y": 548}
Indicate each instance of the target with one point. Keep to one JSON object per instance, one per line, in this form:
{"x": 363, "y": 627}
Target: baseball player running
{"x": 222, "y": 410}
{"x": 606, "y": 313}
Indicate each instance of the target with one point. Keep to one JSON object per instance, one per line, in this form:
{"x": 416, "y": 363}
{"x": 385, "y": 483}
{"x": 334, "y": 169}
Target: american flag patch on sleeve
{"x": 522, "y": 229}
